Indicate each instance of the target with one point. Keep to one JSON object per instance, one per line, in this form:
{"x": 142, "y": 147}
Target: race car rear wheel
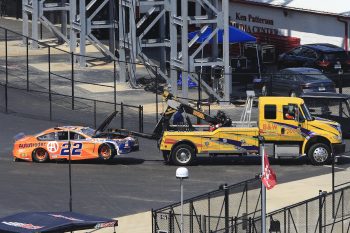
{"x": 40, "y": 155}
{"x": 106, "y": 152}
{"x": 183, "y": 155}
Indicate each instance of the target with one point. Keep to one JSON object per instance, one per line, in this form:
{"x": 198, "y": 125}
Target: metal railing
{"x": 212, "y": 211}
{"x": 60, "y": 90}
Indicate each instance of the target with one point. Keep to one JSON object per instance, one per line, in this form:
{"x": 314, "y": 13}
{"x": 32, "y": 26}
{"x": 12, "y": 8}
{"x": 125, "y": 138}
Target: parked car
{"x": 294, "y": 82}
{"x": 325, "y": 57}
{"x": 331, "y": 106}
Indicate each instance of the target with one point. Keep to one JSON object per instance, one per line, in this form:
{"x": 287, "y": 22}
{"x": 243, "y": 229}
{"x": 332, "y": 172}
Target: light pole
{"x": 182, "y": 173}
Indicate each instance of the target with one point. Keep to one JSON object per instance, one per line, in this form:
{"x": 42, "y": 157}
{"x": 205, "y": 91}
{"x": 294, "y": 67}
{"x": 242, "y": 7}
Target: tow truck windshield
{"x": 307, "y": 113}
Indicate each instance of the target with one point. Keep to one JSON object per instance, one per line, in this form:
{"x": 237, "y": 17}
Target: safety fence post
{"x": 320, "y": 216}
{"x": 191, "y": 216}
{"x": 95, "y": 114}
{"x": 153, "y": 220}
{"x": 333, "y": 185}
{"x": 140, "y": 118}
{"x": 156, "y": 94}
{"x": 227, "y": 214}
{"x": 50, "y": 96}
{"x": 199, "y": 102}
{"x": 27, "y": 61}
{"x": 6, "y": 60}
{"x": 250, "y": 225}
{"x": 234, "y": 229}
{"x": 171, "y": 223}
{"x": 6, "y": 98}
{"x": 115, "y": 85}
{"x": 72, "y": 77}
{"x": 122, "y": 115}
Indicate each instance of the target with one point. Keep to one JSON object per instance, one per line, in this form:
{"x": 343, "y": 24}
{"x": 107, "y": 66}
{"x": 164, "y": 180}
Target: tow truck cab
{"x": 285, "y": 123}
{"x": 290, "y": 130}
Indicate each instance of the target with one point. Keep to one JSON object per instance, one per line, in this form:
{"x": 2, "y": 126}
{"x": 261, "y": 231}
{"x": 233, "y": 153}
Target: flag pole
{"x": 263, "y": 188}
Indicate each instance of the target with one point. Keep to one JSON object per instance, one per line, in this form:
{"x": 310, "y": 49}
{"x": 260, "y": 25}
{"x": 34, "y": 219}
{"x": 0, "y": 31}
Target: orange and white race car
{"x": 78, "y": 142}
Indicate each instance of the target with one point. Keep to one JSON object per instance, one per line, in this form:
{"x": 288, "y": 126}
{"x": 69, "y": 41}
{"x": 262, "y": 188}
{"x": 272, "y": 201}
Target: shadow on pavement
{"x": 116, "y": 161}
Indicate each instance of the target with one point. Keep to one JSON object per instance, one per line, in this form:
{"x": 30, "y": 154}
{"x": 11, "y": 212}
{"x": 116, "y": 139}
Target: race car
{"x": 76, "y": 142}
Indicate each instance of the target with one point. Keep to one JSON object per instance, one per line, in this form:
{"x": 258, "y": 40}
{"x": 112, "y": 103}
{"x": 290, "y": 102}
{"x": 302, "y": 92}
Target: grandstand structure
{"x": 129, "y": 23}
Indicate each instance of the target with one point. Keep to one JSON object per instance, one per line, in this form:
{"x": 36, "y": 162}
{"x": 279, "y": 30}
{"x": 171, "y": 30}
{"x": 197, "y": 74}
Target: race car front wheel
{"x": 106, "y": 152}
{"x": 40, "y": 155}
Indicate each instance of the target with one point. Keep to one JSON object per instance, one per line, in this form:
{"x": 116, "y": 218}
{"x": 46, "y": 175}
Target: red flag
{"x": 269, "y": 176}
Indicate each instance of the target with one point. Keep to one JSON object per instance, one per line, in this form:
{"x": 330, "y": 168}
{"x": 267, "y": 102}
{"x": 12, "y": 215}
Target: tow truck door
{"x": 292, "y": 126}
{"x": 275, "y": 125}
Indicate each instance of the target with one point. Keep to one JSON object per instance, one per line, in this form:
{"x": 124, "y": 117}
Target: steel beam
{"x": 35, "y": 21}
{"x": 83, "y": 38}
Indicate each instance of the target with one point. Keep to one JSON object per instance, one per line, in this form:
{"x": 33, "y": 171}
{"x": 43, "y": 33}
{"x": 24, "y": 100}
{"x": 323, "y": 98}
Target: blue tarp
{"x": 30, "y": 222}
{"x": 190, "y": 83}
{"x": 235, "y": 35}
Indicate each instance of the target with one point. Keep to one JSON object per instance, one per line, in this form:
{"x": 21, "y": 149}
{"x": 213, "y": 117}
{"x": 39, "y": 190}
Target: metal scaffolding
{"x": 134, "y": 35}
{"x": 214, "y": 15}
{"x": 82, "y": 23}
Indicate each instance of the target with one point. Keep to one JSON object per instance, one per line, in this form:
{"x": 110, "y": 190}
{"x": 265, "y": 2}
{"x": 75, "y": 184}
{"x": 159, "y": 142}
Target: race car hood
{"x": 106, "y": 122}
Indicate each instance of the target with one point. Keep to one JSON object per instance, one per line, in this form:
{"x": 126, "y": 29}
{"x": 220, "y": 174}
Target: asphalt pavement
{"x": 130, "y": 184}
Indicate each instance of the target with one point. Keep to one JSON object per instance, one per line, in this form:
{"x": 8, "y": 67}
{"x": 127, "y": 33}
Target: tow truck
{"x": 285, "y": 123}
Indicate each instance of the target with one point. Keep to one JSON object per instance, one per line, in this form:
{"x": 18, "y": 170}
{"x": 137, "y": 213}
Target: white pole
{"x": 263, "y": 189}
{"x": 182, "y": 207}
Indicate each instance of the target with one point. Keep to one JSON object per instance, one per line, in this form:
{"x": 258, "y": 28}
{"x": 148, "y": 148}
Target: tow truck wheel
{"x": 319, "y": 154}
{"x": 183, "y": 155}
{"x": 106, "y": 152}
{"x": 40, "y": 155}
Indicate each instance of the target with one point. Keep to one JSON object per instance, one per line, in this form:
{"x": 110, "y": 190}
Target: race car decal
{"x": 28, "y": 145}
{"x": 76, "y": 149}
{"x": 52, "y": 147}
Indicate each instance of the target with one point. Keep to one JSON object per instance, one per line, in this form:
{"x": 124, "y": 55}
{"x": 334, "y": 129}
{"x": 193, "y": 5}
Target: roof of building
{"x": 335, "y": 7}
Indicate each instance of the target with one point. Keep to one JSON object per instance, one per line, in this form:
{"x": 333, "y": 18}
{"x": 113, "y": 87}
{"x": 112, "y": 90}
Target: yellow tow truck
{"x": 288, "y": 128}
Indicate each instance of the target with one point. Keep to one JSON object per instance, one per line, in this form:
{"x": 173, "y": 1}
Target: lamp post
{"x": 182, "y": 173}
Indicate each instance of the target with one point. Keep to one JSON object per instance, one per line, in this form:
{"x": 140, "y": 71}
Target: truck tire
{"x": 319, "y": 154}
{"x": 183, "y": 155}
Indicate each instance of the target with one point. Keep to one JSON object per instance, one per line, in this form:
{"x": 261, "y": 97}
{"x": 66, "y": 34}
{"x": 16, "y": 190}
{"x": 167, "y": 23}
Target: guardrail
{"x": 213, "y": 210}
